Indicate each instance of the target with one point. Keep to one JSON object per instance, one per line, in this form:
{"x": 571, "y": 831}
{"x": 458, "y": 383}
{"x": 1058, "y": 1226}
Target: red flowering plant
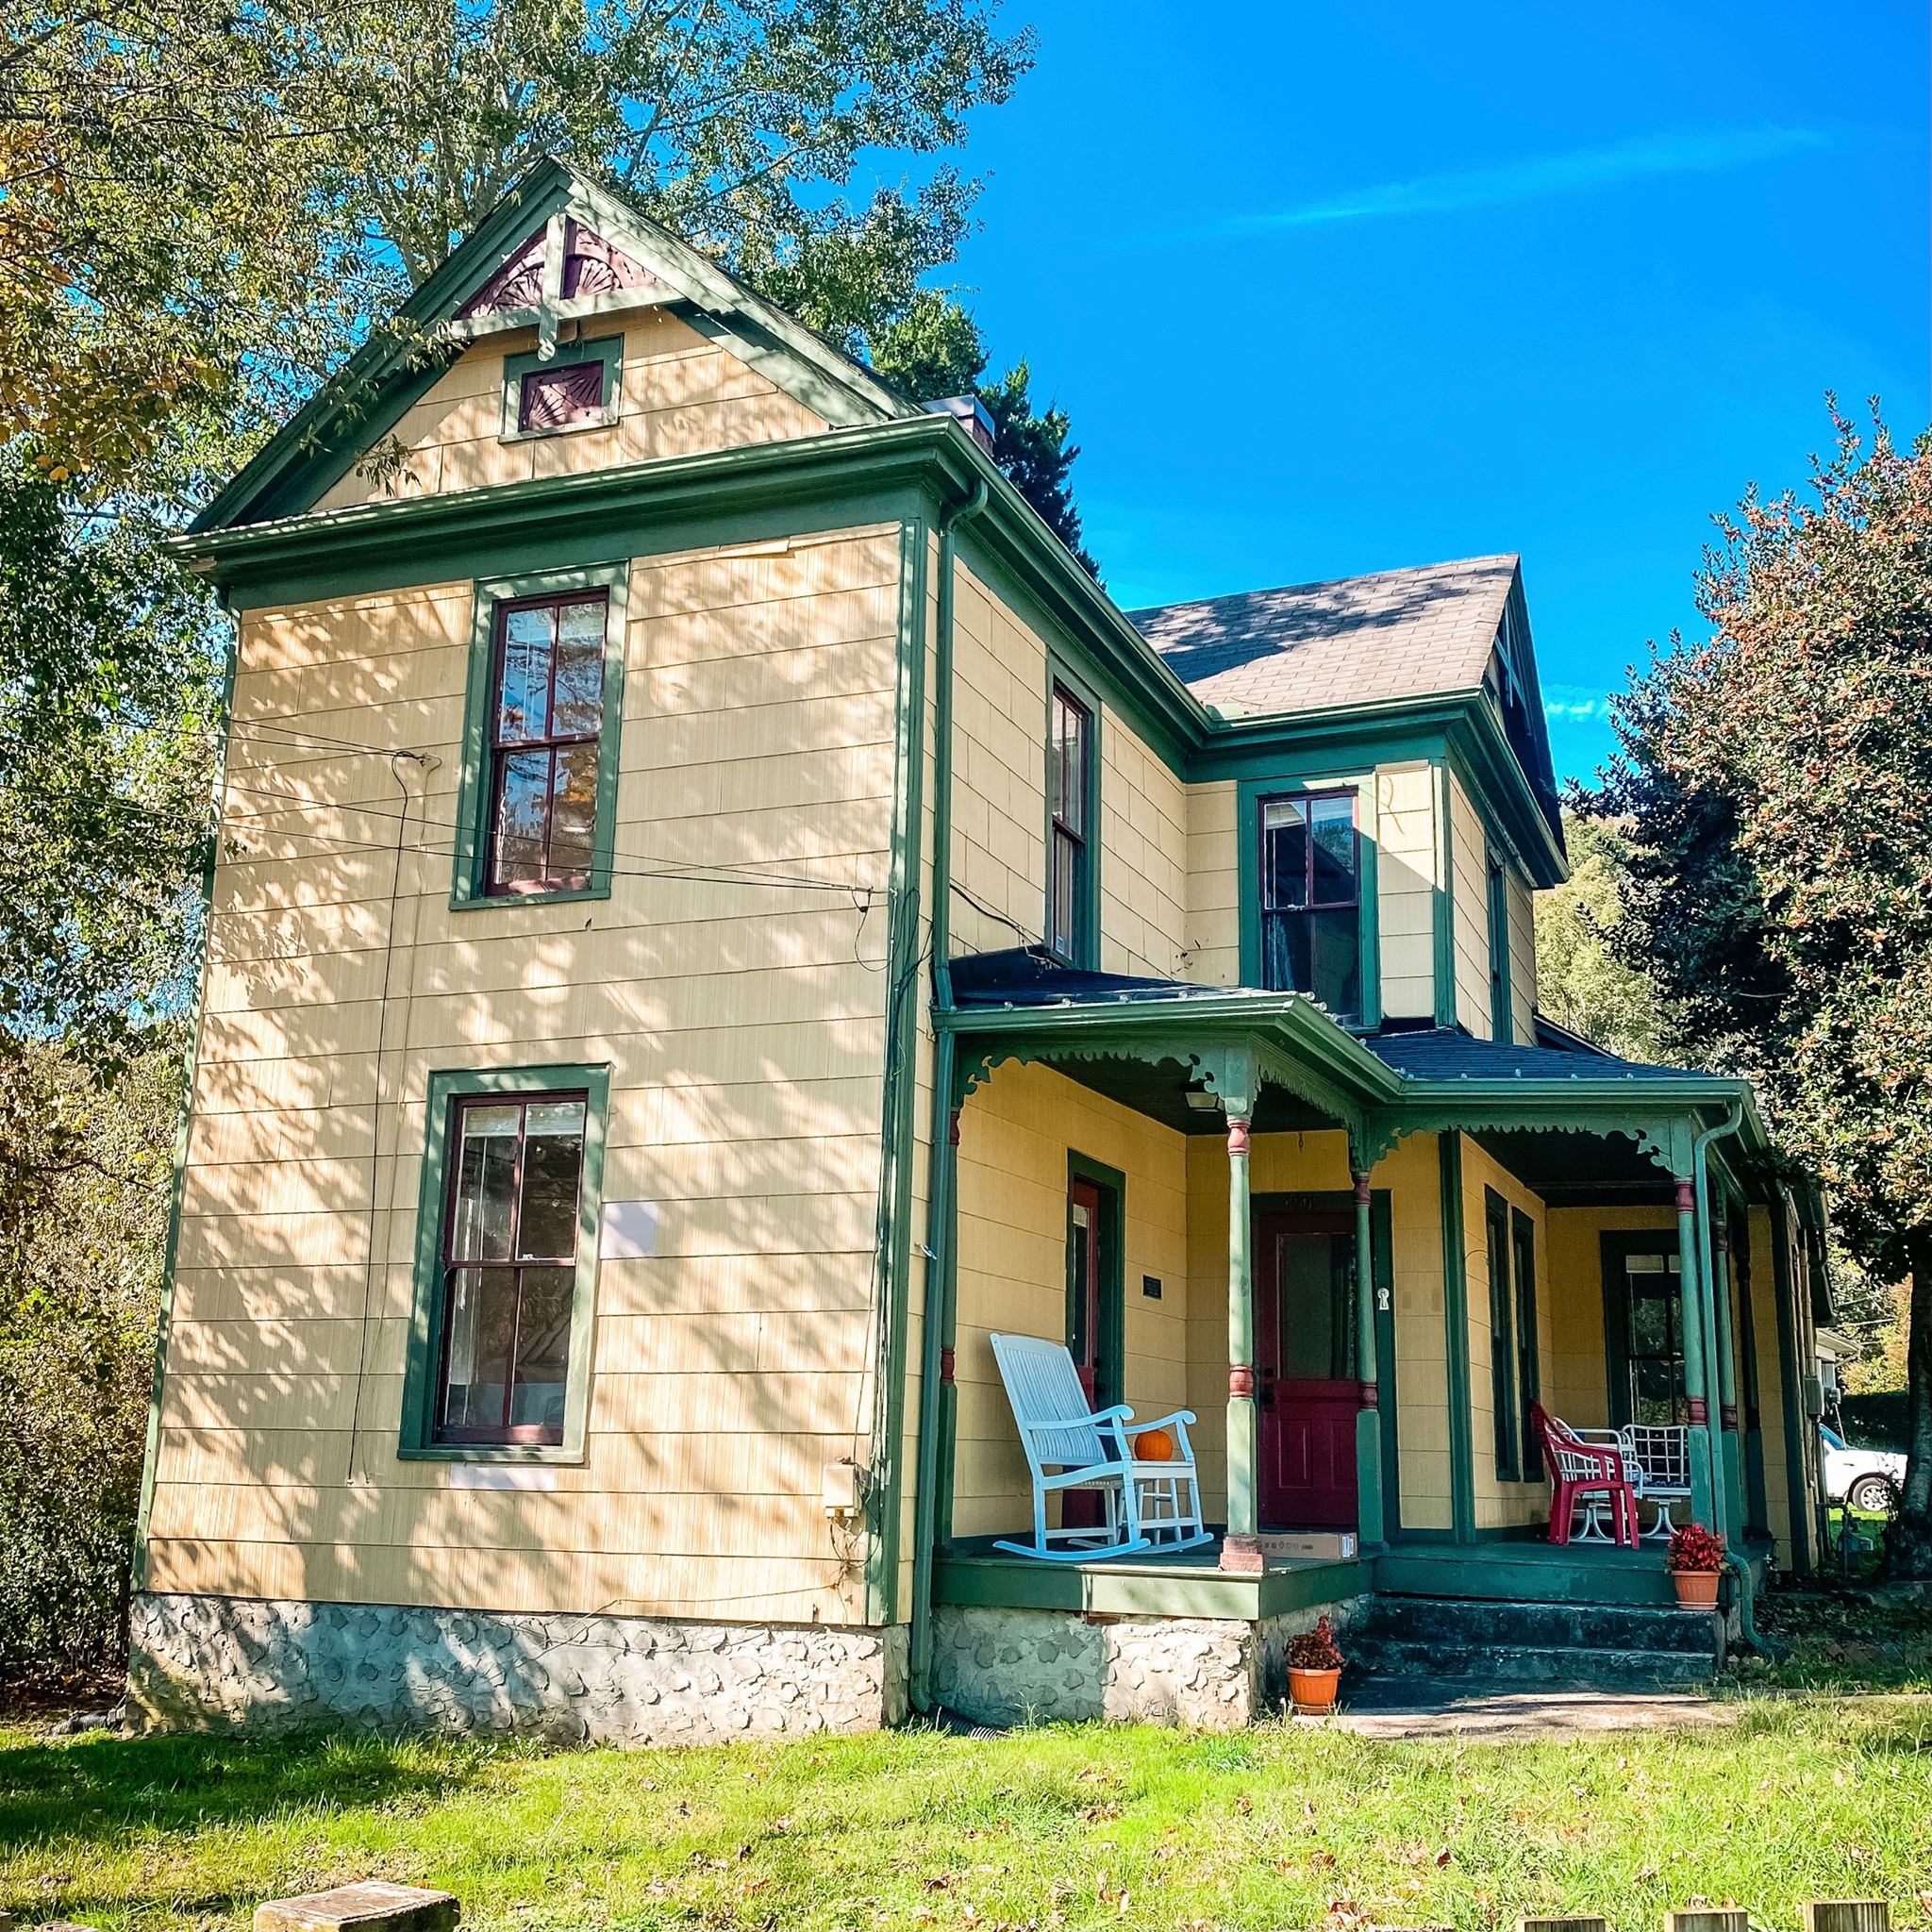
{"x": 1314, "y": 1650}
{"x": 1695, "y": 1548}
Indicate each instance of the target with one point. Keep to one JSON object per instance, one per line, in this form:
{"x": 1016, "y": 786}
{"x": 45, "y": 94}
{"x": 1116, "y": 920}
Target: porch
{"x": 1358, "y": 1263}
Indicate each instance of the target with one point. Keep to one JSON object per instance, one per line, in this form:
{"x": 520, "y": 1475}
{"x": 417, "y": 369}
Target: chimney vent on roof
{"x": 969, "y": 413}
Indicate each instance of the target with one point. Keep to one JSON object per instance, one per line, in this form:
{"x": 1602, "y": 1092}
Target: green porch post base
{"x": 1734, "y": 1476}
{"x": 1703, "y": 1505}
{"x": 1369, "y": 1525}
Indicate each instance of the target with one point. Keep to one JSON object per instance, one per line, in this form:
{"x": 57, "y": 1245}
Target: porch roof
{"x": 1023, "y": 1004}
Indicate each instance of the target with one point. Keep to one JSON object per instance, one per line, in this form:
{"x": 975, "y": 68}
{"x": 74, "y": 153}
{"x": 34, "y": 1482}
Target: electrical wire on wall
{"x": 397, "y": 759}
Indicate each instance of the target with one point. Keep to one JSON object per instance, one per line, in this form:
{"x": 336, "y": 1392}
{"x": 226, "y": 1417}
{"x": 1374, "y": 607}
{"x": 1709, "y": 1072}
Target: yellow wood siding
{"x": 1771, "y": 1388}
{"x": 1293, "y": 1163}
{"x": 1521, "y": 961}
{"x": 1143, "y": 858}
{"x": 1405, "y": 884}
{"x": 1015, "y": 1136}
{"x": 679, "y": 394}
{"x": 1577, "y": 1375}
{"x": 1396, "y": 808}
{"x": 999, "y": 805}
{"x": 1213, "y": 925}
{"x": 999, "y": 774}
{"x": 742, "y": 1023}
{"x": 1468, "y": 867}
{"x": 1499, "y": 1504}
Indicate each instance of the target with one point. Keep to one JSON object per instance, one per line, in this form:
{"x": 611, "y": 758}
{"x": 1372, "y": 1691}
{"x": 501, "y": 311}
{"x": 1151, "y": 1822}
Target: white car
{"x": 1869, "y": 1481}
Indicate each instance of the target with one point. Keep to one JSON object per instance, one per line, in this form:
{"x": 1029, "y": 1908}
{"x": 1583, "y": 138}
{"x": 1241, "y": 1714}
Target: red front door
{"x": 1305, "y": 1352}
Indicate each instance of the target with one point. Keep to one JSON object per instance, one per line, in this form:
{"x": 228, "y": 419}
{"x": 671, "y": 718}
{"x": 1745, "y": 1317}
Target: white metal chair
{"x": 1662, "y": 1454}
{"x": 1070, "y": 1446}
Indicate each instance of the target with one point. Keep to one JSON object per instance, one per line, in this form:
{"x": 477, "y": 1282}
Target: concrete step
{"x": 1500, "y": 1665}
{"x": 1501, "y": 1626}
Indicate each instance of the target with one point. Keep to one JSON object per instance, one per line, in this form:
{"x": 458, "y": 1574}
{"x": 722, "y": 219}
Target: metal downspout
{"x": 1720, "y": 1486}
{"x": 936, "y": 1315}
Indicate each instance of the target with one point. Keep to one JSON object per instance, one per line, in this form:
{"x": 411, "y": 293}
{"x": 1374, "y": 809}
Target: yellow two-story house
{"x": 717, "y": 916}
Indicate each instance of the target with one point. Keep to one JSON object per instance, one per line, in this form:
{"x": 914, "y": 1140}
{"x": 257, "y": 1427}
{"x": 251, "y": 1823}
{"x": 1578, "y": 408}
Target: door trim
{"x": 1112, "y": 1184}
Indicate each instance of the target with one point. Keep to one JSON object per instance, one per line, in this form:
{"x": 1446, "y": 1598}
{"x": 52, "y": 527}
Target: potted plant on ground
{"x": 1315, "y": 1669}
{"x": 1696, "y": 1560}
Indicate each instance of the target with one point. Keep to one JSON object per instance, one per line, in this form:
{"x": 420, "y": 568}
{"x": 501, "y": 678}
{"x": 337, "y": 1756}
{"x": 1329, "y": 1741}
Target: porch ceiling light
{"x": 1201, "y": 1101}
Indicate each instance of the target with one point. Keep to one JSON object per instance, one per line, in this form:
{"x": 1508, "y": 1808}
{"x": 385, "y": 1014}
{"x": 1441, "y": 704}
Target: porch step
{"x": 1610, "y": 1646}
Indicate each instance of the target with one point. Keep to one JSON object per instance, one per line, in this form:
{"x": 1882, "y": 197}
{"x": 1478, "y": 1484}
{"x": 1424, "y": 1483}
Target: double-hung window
{"x": 509, "y": 1268}
{"x": 1311, "y": 899}
{"x": 1070, "y": 810}
{"x": 546, "y": 719}
{"x": 1515, "y": 1373}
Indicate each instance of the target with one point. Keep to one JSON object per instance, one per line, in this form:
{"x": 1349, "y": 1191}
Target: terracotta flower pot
{"x": 1696, "y": 1589}
{"x": 1312, "y": 1690}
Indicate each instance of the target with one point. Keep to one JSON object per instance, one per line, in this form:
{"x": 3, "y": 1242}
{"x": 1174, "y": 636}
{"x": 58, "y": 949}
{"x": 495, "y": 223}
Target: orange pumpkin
{"x": 1156, "y": 1445}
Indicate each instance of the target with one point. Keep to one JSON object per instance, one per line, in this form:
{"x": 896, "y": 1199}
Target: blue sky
{"x": 1334, "y": 289}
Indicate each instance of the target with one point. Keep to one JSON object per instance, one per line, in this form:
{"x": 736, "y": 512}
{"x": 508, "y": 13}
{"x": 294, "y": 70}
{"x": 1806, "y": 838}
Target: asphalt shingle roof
{"x": 1445, "y": 1054}
{"x": 1401, "y": 633}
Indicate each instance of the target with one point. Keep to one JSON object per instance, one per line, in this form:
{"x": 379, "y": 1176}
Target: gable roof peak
{"x": 557, "y": 247}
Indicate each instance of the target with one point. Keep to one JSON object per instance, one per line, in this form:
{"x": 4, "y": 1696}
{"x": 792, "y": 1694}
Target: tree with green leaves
{"x": 935, "y": 350}
{"x": 1581, "y": 981}
{"x": 1775, "y": 794}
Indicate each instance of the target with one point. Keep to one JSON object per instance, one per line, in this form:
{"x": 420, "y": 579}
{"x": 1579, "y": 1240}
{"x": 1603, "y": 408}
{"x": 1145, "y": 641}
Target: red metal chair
{"x": 1580, "y": 1470}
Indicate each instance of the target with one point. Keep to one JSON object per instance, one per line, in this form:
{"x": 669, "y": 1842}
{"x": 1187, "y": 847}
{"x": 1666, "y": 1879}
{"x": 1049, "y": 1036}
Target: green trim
{"x": 1502, "y": 1025}
{"x": 1127, "y": 1589}
{"x": 1382, "y": 1263}
{"x": 1087, "y": 912}
{"x": 1505, "y": 1432}
{"x": 899, "y": 1084}
{"x": 1503, "y": 1570}
{"x": 1530, "y": 1360}
{"x": 473, "y": 792}
{"x": 1443, "y": 898}
{"x": 608, "y": 350}
{"x": 191, "y": 1064}
{"x": 1455, "y": 1335}
{"x": 1112, "y": 1184}
{"x": 447, "y": 1084}
{"x": 1305, "y": 776}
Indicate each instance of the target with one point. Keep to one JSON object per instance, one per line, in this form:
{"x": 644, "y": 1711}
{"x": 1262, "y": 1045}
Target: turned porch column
{"x": 1704, "y": 1506}
{"x": 1240, "y": 1551}
{"x": 1730, "y": 1441}
{"x": 1370, "y": 1526}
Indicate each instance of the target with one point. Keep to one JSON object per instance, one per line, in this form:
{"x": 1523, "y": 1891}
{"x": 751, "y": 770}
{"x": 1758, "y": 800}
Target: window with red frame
{"x": 1311, "y": 899}
{"x": 510, "y": 1257}
{"x": 545, "y": 721}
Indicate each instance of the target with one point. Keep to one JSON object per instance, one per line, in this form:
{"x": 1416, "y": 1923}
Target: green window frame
{"x": 1501, "y": 1024}
{"x": 1503, "y": 1363}
{"x": 1250, "y": 795}
{"x": 1083, "y": 947}
{"x": 473, "y": 799}
{"x": 447, "y": 1090}
{"x": 607, "y": 350}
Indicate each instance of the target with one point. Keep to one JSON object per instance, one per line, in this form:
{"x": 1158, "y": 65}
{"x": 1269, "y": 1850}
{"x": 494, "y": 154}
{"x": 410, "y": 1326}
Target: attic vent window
{"x": 562, "y": 398}
{"x": 574, "y": 389}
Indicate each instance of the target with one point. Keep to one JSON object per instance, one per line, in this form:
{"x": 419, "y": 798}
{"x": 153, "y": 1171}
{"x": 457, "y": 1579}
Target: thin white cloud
{"x": 1644, "y": 157}
{"x": 1575, "y": 704}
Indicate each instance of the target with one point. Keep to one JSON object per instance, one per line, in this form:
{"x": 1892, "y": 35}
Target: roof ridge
{"x": 1512, "y": 557}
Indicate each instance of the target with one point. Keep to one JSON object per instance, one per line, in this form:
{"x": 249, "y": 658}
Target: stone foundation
{"x": 1014, "y": 1666}
{"x": 215, "y": 1663}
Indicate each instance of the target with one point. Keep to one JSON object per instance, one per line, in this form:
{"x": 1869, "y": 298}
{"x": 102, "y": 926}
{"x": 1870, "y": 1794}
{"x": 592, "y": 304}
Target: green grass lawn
{"x": 1804, "y": 1797}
